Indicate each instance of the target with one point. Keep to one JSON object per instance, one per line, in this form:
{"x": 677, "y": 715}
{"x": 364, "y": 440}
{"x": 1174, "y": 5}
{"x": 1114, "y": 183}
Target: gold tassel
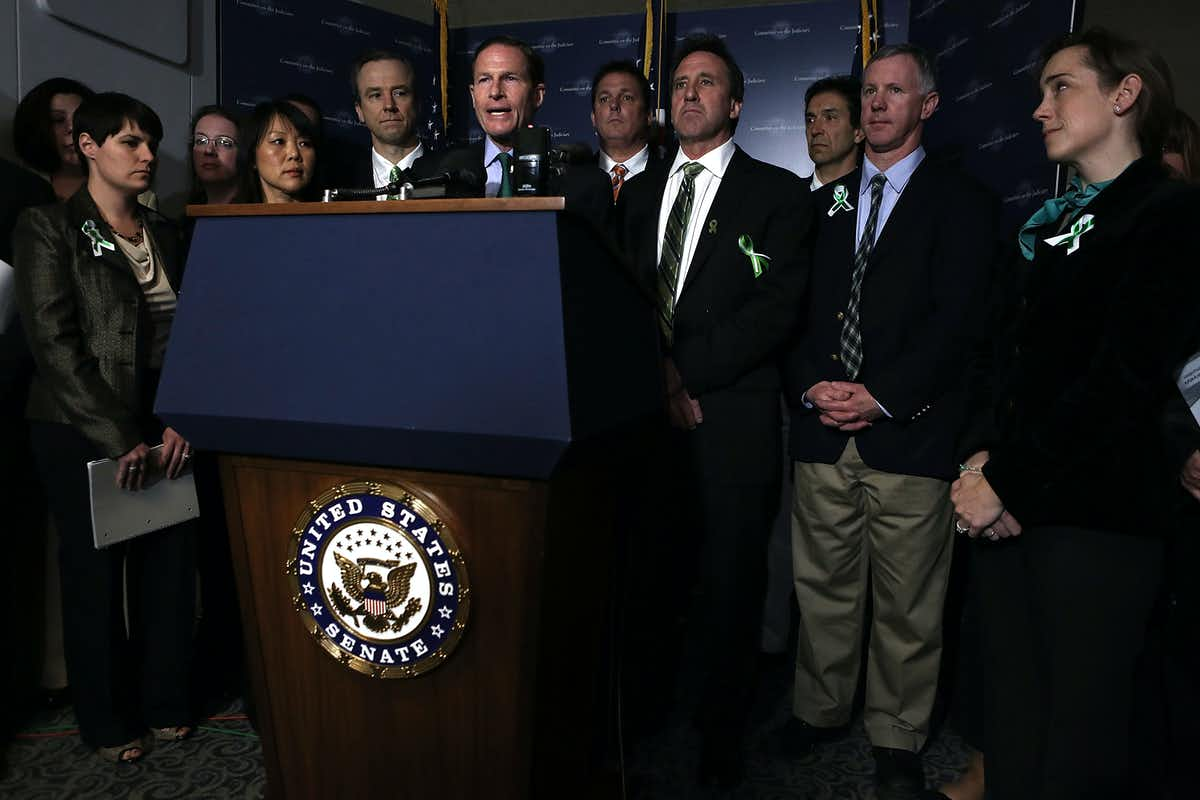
{"x": 649, "y": 38}
{"x": 865, "y": 31}
{"x": 442, "y": 7}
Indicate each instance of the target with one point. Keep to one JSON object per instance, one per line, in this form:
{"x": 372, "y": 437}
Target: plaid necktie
{"x": 505, "y": 160}
{"x": 394, "y": 176}
{"x": 618, "y": 179}
{"x": 672, "y": 250}
{"x": 852, "y": 346}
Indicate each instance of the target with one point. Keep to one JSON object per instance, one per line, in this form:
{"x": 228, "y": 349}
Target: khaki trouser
{"x": 850, "y": 522}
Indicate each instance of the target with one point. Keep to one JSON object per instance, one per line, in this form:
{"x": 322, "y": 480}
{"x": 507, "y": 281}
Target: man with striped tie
{"x": 902, "y": 257}
{"x": 719, "y": 239}
{"x": 621, "y": 118}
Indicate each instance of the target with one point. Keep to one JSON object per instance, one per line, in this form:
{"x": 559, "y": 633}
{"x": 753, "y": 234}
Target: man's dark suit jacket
{"x": 922, "y": 297}
{"x": 587, "y": 192}
{"x": 729, "y": 324}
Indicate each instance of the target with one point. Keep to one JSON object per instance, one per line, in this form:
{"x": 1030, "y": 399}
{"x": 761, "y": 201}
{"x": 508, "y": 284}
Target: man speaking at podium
{"x": 720, "y": 238}
{"x": 507, "y": 89}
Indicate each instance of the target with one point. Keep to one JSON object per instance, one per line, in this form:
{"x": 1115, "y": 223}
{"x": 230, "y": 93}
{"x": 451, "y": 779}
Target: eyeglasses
{"x": 200, "y": 141}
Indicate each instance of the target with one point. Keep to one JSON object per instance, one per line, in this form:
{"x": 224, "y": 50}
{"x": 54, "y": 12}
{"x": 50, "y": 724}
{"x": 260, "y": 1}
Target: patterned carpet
{"x": 47, "y": 761}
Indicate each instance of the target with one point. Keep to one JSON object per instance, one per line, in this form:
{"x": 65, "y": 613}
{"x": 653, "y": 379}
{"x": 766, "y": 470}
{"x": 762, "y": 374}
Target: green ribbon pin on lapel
{"x": 99, "y": 243}
{"x": 758, "y": 261}
{"x": 1081, "y": 226}
{"x": 841, "y": 200}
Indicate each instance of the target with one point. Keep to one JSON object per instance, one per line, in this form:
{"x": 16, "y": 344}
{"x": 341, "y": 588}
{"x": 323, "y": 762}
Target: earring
{"x": 1116, "y": 108}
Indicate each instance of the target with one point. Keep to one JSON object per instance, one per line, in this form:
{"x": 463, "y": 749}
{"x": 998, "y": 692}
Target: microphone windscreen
{"x": 532, "y": 141}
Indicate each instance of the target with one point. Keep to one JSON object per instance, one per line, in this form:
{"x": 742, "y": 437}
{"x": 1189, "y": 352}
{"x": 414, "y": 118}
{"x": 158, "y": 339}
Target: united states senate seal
{"x": 379, "y": 580}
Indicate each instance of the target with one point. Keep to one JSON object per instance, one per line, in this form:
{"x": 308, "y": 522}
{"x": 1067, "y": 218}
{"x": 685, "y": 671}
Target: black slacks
{"x": 1063, "y": 615}
{"x": 694, "y": 585}
{"x": 106, "y": 666}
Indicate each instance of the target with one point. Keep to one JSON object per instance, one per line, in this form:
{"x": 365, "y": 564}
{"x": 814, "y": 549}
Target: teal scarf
{"x": 1076, "y": 198}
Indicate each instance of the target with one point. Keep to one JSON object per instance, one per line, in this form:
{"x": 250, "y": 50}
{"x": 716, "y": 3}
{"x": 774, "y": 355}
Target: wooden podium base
{"x": 517, "y": 710}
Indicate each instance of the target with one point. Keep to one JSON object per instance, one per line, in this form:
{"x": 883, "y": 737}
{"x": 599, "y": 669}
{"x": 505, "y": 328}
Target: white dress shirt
{"x": 715, "y": 162}
{"x": 815, "y": 183}
{"x": 382, "y": 168}
{"x": 633, "y": 165}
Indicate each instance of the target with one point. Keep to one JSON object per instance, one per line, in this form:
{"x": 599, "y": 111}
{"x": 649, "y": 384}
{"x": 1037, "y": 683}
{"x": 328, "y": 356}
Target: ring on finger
{"x": 992, "y": 534}
{"x": 133, "y": 467}
{"x": 959, "y": 527}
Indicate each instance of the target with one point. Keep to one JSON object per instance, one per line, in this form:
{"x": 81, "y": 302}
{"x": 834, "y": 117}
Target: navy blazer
{"x": 729, "y": 324}
{"x": 923, "y": 291}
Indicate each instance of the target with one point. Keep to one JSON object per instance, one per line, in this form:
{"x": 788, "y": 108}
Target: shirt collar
{"x": 491, "y": 150}
{"x": 715, "y": 161}
{"x": 383, "y": 166}
{"x": 815, "y": 183}
{"x": 897, "y": 175}
{"x": 633, "y": 163}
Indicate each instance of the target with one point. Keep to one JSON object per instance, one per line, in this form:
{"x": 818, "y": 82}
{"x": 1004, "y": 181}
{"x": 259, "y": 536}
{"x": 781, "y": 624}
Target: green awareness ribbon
{"x": 841, "y": 200}
{"x": 99, "y": 243}
{"x": 1081, "y": 226}
{"x": 759, "y": 261}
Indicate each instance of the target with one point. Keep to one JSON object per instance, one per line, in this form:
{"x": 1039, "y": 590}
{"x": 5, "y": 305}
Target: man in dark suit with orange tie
{"x": 902, "y": 256}
{"x": 718, "y": 238}
{"x": 621, "y": 119}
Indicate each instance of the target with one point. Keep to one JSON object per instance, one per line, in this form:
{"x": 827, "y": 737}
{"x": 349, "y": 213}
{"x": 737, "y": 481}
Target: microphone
{"x": 531, "y": 166}
{"x": 408, "y": 187}
{"x": 572, "y": 153}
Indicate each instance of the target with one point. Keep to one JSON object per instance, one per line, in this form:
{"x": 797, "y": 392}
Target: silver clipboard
{"x": 119, "y": 514}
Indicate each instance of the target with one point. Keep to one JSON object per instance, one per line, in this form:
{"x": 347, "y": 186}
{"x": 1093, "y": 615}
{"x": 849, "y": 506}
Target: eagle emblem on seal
{"x": 375, "y": 592}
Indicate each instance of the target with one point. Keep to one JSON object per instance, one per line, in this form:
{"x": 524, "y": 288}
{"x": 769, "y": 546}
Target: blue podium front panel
{"x": 416, "y": 340}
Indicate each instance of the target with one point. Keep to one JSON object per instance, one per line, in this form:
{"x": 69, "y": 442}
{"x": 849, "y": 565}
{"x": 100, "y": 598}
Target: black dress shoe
{"x": 898, "y": 774}
{"x": 796, "y": 738}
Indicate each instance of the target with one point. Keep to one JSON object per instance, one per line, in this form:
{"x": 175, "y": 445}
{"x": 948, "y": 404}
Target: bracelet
{"x": 964, "y": 468}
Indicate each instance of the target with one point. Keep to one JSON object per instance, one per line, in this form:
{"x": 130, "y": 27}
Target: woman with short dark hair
{"x": 42, "y": 132}
{"x": 1070, "y": 472}
{"x": 279, "y": 144}
{"x": 97, "y": 278}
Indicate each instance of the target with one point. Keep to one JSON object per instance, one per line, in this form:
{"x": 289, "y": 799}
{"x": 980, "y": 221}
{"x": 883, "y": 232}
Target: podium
{"x": 474, "y": 364}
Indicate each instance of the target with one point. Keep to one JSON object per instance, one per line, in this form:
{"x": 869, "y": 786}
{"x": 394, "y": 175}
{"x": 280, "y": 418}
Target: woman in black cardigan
{"x": 1070, "y": 472}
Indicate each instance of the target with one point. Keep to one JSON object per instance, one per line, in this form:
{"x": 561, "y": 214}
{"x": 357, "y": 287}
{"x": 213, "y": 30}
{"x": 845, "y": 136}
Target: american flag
{"x": 374, "y": 601}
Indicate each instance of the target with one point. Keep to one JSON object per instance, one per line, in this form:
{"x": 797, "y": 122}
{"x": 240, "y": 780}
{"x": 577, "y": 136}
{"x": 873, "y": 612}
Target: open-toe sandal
{"x": 124, "y": 753}
{"x": 172, "y": 733}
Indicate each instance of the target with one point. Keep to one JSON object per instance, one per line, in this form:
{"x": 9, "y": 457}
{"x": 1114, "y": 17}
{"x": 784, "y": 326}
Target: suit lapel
{"x": 910, "y": 206}
{"x": 82, "y": 210}
{"x": 843, "y": 224}
{"x": 656, "y": 176}
{"x": 732, "y": 188}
